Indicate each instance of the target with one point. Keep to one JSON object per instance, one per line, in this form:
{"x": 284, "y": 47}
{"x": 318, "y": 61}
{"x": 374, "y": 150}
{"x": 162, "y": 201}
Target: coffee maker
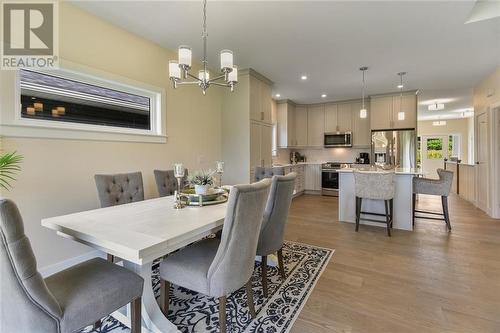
{"x": 364, "y": 158}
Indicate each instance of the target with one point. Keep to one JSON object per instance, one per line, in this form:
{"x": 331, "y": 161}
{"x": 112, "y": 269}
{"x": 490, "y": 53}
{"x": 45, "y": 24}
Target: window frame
{"x": 27, "y": 127}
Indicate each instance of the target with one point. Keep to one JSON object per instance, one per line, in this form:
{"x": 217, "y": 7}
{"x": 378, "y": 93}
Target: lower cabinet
{"x": 299, "y": 169}
{"x": 313, "y": 177}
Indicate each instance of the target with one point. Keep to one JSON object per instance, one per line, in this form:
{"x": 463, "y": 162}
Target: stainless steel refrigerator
{"x": 394, "y": 148}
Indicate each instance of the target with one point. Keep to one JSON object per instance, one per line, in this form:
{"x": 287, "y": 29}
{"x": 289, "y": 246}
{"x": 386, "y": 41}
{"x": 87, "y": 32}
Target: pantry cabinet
{"x": 285, "y": 114}
{"x": 260, "y": 100}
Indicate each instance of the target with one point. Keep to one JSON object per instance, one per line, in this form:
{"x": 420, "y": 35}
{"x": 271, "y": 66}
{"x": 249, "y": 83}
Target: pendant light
{"x": 401, "y": 113}
{"x": 363, "y": 113}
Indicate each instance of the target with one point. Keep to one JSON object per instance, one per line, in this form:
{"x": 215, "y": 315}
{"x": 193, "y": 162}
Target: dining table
{"x": 138, "y": 233}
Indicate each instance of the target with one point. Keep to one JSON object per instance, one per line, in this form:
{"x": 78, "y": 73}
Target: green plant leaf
{"x": 9, "y": 168}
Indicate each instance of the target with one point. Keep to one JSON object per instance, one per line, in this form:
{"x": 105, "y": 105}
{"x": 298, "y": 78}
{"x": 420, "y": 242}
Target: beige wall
{"x": 487, "y": 92}
{"x": 57, "y": 176}
{"x": 453, "y": 126}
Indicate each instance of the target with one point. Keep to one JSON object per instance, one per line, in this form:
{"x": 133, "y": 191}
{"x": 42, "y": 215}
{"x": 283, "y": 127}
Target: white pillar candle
{"x": 178, "y": 170}
{"x": 173, "y": 70}
{"x": 226, "y": 59}
{"x": 30, "y": 110}
{"x": 185, "y": 55}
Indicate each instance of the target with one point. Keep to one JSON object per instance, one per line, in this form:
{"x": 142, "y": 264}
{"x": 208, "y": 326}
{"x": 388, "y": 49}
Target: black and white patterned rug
{"x": 194, "y": 312}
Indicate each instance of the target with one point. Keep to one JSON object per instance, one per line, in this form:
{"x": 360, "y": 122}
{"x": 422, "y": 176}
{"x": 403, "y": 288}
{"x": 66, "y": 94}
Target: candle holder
{"x": 220, "y": 170}
{"x": 179, "y": 175}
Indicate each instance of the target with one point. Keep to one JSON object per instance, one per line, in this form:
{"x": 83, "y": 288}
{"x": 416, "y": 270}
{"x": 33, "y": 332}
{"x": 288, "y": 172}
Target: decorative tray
{"x": 213, "y": 197}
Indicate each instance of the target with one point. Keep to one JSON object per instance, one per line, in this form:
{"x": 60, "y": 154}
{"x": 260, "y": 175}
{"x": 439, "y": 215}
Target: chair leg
{"x": 391, "y": 211}
{"x": 97, "y": 325}
{"x": 280, "y": 263}
{"x": 249, "y": 291}
{"x": 135, "y": 316}
{"x": 414, "y": 207}
{"x": 111, "y": 258}
{"x": 358, "y": 212}
{"x": 263, "y": 265}
{"x": 387, "y": 217}
{"x": 164, "y": 296}
{"x": 444, "y": 201}
{"x": 222, "y": 314}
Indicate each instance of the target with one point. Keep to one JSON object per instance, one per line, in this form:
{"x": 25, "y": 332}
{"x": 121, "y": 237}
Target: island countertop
{"x": 397, "y": 171}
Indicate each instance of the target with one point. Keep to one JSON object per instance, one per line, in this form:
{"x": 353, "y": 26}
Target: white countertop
{"x": 397, "y": 171}
{"x": 299, "y": 163}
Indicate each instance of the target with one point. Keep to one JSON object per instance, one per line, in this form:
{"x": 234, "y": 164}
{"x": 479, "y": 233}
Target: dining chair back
{"x": 268, "y": 172}
{"x": 233, "y": 263}
{"x": 64, "y": 302}
{"x": 167, "y": 183}
{"x": 26, "y": 303}
{"x": 120, "y": 188}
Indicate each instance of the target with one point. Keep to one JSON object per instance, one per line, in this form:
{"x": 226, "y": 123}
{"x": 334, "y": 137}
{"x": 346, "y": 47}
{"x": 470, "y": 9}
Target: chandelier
{"x": 401, "y": 113}
{"x": 363, "y": 113}
{"x": 179, "y": 69}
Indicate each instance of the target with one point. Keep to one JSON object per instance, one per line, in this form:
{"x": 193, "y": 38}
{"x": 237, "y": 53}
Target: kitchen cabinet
{"x": 260, "y": 100}
{"x": 331, "y": 117}
{"x": 384, "y": 111}
{"x": 299, "y": 169}
{"x": 315, "y": 125}
{"x": 361, "y": 132}
{"x": 261, "y": 144}
{"x": 344, "y": 117}
{"x": 300, "y": 126}
{"x": 313, "y": 177}
{"x": 286, "y": 124}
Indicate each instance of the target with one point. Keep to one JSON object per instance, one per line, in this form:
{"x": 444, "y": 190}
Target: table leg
{"x": 152, "y": 317}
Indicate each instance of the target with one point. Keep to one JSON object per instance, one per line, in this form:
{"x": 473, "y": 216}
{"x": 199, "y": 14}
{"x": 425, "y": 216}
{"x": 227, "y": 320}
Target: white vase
{"x": 201, "y": 189}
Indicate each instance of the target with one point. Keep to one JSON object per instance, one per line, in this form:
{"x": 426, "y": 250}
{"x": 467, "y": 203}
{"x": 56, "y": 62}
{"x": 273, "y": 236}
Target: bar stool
{"x": 374, "y": 186}
{"x": 441, "y": 187}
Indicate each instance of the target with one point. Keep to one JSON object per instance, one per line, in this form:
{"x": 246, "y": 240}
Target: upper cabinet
{"x": 385, "y": 111}
{"x": 285, "y": 115}
{"x": 361, "y": 133}
{"x": 331, "y": 117}
{"x": 344, "y": 117}
{"x": 260, "y": 100}
{"x": 300, "y": 126}
{"x": 315, "y": 125}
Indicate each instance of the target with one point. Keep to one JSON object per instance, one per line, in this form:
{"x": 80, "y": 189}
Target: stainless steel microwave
{"x": 333, "y": 140}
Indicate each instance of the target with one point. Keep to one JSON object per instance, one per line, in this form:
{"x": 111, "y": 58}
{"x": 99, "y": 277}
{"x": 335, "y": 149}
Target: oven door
{"x": 333, "y": 140}
{"x": 330, "y": 182}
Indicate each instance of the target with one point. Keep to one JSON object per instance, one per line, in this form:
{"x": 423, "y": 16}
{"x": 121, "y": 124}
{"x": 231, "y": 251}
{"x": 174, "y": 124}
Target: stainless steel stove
{"x": 330, "y": 178}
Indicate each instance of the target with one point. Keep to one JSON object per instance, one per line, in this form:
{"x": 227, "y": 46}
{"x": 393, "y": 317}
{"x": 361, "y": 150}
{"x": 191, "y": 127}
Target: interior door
{"x": 434, "y": 150}
{"x": 482, "y": 179}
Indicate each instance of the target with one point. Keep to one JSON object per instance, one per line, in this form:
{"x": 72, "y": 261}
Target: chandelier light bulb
{"x": 185, "y": 56}
{"x": 401, "y": 115}
{"x": 233, "y": 75}
{"x": 436, "y": 107}
{"x": 226, "y": 60}
{"x": 174, "y": 71}
{"x": 204, "y": 75}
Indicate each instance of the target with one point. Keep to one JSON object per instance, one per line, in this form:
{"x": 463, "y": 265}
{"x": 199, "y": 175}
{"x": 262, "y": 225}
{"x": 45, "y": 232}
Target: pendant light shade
{"x": 363, "y": 113}
{"x": 401, "y": 113}
{"x": 185, "y": 55}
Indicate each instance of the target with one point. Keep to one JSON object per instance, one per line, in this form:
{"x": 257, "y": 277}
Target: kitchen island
{"x": 402, "y": 199}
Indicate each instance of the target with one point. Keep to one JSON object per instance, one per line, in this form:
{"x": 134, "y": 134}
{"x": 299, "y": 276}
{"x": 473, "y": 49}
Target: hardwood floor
{"x": 428, "y": 280}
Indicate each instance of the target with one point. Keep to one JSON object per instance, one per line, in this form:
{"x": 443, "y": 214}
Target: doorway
{"x": 433, "y": 151}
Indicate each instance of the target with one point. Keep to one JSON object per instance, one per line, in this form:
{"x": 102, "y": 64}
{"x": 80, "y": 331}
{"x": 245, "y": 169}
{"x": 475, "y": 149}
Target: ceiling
{"x": 328, "y": 41}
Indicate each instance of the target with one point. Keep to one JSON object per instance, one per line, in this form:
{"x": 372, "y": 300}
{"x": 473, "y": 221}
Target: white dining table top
{"x": 141, "y": 231}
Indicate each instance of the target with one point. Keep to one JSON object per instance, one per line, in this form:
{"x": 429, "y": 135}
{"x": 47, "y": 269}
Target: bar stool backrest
{"x": 374, "y": 185}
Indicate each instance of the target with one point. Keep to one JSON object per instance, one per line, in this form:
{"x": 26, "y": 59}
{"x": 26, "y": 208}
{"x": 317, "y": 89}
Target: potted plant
{"x": 10, "y": 165}
{"x": 202, "y": 181}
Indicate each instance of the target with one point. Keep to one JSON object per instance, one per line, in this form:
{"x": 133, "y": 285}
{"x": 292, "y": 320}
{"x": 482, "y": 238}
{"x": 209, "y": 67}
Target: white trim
{"x": 62, "y": 265}
{"x": 495, "y": 161}
{"x": 14, "y": 125}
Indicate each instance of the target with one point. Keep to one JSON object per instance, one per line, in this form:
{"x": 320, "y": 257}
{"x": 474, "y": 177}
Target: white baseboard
{"x": 57, "y": 267}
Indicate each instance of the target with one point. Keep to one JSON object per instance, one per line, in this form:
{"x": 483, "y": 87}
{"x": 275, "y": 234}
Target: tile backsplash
{"x": 346, "y": 155}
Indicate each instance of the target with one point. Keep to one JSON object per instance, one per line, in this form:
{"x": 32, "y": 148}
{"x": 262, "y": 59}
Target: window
{"x": 64, "y": 103}
{"x": 435, "y": 148}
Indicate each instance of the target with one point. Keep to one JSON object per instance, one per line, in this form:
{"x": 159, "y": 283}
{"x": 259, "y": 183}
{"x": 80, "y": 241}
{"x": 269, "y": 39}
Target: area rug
{"x": 194, "y": 312}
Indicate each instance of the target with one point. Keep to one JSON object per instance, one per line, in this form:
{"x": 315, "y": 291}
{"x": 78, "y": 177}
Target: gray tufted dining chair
{"x": 64, "y": 302}
{"x": 273, "y": 224}
{"x": 218, "y": 267}
{"x": 268, "y": 172}
{"x": 119, "y": 189}
{"x": 167, "y": 183}
{"x": 374, "y": 185}
{"x": 440, "y": 187}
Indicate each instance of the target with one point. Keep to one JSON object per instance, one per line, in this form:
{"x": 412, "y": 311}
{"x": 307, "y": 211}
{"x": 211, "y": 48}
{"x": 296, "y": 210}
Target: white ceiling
{"x": 328, "y": 41}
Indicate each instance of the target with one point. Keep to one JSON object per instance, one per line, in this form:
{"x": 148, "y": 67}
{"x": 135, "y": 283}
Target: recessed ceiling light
{"x": 400, "y": 86}
{"x": 277, "y": 95}
{"x": 303, "y": 77}
{"x": 323, "y": 95}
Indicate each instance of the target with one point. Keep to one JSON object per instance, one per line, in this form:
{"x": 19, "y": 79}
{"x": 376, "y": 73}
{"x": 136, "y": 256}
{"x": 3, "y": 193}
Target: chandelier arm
{"x": 223, "y": 76}
{"x": 185, "y": 83}
{"x": 193, "y": 77}
{"x": 220, "y": 84}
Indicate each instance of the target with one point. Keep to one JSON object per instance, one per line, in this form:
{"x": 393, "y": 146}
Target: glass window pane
{"x": 434, "y": 148}
{"x": 52, "y": 98}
